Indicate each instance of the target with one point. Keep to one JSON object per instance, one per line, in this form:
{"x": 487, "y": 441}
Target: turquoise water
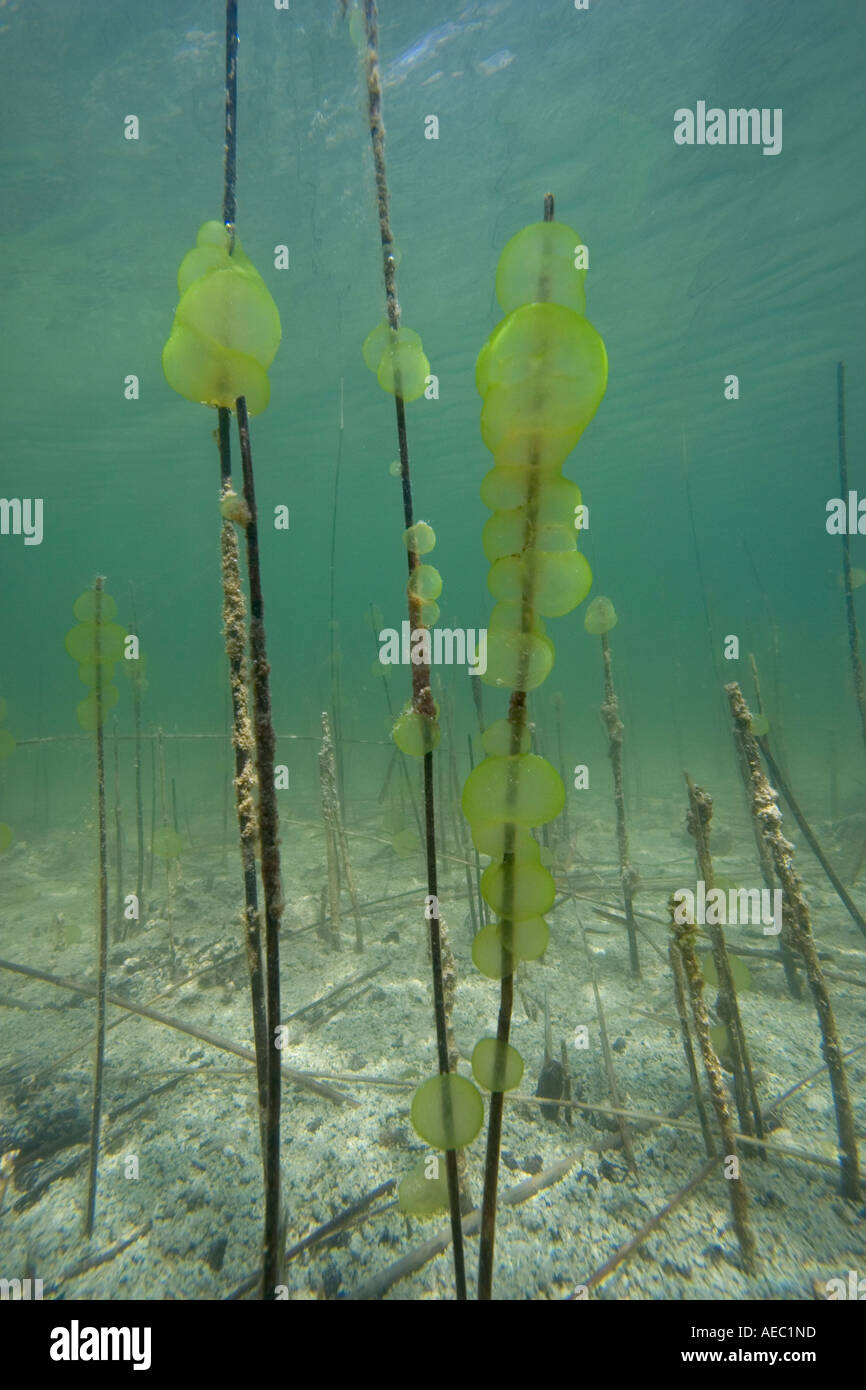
{"x": 704, "y": 261}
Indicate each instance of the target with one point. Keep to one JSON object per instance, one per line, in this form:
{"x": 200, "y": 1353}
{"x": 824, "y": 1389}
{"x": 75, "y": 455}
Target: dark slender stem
{"x": 269, "y": 843}
{"x": 119, "y": 921}
{"x": 336, "y": 711}
{"x": 628, "y": 875}
{"x": 422, "y": 698}
{"x": 234, "y": 631}
{"x": 231, "y": 146}
{"x": 102, "y": 966}
{"x": 853, "y": 633}
{"x": 139, "y": 817}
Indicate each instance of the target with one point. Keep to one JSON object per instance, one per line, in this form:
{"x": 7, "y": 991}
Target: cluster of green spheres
{"x": 226, "y": 328}
{"x": 396, "y": 356}
{"x": 542, "y": 374}
{"x": 414, "y": 732}
{"x": 97, "y": 646}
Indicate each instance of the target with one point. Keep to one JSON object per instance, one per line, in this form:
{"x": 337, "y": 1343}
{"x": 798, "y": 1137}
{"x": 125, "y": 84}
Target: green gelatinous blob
{"x": 529, "y": 938}
{"x": 508, "y": 616}
{"x": 447, "y": 1112}
{"x": 550, "y": 408}
{"x": 540, "y": 340}
{"x": 6, "y": 837}
{"x": 488, "y": 837}
{"x": 505, "y": 488}
{"x": 430, "y": 612}
{"x": 525, "y": 789}
{"x": 380, "y": 668}
{"x": 538, "y": 265}
{"x": 395, "y": 468}
{"x": 234, "y": 508}
{"x": 546, "y": 453}
{"x": 403, "y": 369}
{"x": 226, "y": 327}
{"x": 84, "y": 607}
{"x": 600, "y": 616}
{"x": 490, "y": 956}
{"x": 82, "y": 644}
{"x": 87, "y": 673}
{"x": 496, "y": 1065}
{"x": 425, "y": 582}
{"x": 739, "y": 970}
{"x": 375, "y": 344}
{"x": 421, "y": 538}
{"x": 522, "y": 890}
{"x": 517, "y": 661}
{"x": 759, "y": 724}
{"x": 560, "y": 580}
{"x": 7, "y": 744}
{"x": 506, "y": 533}
{"x": 496, "y": 739}
{"x": 167, "y": 843}
{"x": 86, "y": 709}
{"x": 415, "y": 733}
{"x": 406, "y": 843}
{"x": 528, "y": 941}
{"x": 420, "y": 1195}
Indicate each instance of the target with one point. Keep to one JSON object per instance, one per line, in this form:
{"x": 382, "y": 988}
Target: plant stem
{"x": 422, "y": 698}
{"x": 269, "y": 844}
{"x": 102, "y": 966}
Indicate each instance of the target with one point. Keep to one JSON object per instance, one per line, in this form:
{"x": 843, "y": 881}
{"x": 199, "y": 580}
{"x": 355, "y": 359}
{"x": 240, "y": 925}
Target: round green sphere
{"x": 447, "y": 1111}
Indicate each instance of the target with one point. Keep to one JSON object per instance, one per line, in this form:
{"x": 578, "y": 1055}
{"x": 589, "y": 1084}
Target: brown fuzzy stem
{"x": 768, "y": 816}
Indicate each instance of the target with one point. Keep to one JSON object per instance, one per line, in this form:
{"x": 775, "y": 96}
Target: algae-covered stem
{"x": 627, "y": 873}
{"x": 768, "y": 816}
{"x": 234, "y": 633}
{"x": 787, "y": 795}
{"x": 269, "y": 842}
{"x": 422, "y": 698}
{"x": 685, "y": 937}
{"x": 102, "y": 967}
{"x": 853, "y": 633}
{"x": 139, "y": 817}
{"x": 517, "y": 719}
{"x": 698, "y": 822}
{"x": 269, "y": 1075}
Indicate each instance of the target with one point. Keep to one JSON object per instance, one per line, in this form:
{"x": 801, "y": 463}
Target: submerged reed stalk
{"x": 850, "y": 610}
{"x": 685, "y": 938}
{"x": 767, "y": 814}
{"x": 102, "y": 963}
{"x": 698, "y": 824}
{"x": 395, "y": 363}
{"x": 234, "y": 634}
{"x": 600, "y": 618}
{"x": 269, "y": 846}
{"x": 224, "y": 336}
{"x": 135, "y": 670}
{"x": 542, "y": 374}
{"x": 335, "y": 831}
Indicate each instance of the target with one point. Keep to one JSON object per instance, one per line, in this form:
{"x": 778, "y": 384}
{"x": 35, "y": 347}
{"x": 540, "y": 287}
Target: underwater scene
{"x": 432, "y": 706}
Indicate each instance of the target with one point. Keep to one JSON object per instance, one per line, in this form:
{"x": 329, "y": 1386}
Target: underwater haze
{"x": 512, "y": 857}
